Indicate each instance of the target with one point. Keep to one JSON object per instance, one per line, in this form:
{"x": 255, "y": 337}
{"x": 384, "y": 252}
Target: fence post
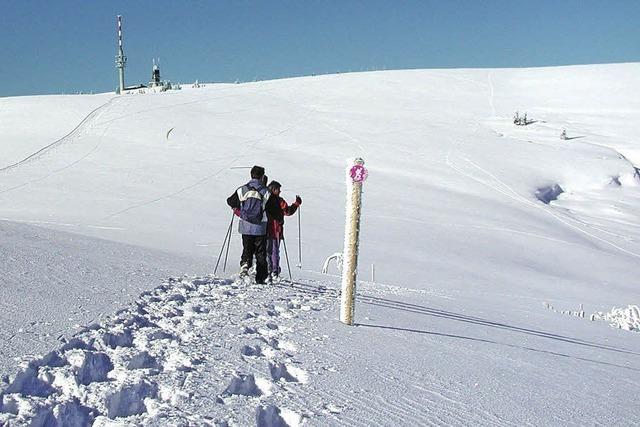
{"x": 356, "y": 174}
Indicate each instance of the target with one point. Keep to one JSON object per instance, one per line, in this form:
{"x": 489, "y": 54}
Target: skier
{"x": 249, "y": 202}
{"x": 277, "y": 208}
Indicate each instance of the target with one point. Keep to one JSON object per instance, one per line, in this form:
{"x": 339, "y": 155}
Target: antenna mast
{"x": 121, "y": 60}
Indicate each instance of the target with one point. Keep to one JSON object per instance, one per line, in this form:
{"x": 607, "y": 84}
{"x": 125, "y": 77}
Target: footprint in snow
{"x": 248, "y": 330}
{"x": 129, "y": 399}
{"x": 288, "y": 373}
{"x": 90, "y": 367}
{"x": 272, "y": 416}
{"x": 248, "y": 385}
{"x": 144, "y": 360}
{"x": 272, "y": 313}
{"x": 251, "y": 351}
{"x": 118, "y": 339}
{"x": 29, "y": 383}
{"x": 282, "y": 345}
{"x": 161, "y": 335}
{"x": 71, "y": 412}
{"x": 177, "y": 299}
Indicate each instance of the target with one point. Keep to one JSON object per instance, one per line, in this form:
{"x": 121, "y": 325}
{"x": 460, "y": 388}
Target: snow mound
{"x": 95, "y": 368}
{"x": 67, "y": 414}
{"x": 29, "y": 383}
{"x": 129, "y": 400}
{"x": 621, "y": 318}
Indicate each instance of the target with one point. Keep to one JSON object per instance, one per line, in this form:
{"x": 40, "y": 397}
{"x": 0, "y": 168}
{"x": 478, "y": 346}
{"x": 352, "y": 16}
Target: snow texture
{"x": 478, "y": 229}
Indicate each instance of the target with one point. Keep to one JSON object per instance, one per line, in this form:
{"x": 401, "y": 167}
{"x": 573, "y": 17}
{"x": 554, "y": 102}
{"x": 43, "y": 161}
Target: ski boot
{"x": 244, "y": 271}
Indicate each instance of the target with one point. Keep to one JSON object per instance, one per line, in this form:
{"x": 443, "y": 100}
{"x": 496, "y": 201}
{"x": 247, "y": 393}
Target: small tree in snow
{"x": 519, "y": 120}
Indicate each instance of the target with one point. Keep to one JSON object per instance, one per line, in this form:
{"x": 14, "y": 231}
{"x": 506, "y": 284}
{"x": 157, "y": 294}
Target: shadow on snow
{"x": 428, "y": 311}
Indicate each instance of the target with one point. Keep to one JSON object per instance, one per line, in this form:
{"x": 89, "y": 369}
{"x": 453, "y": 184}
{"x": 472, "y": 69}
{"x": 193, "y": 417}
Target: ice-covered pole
{"x": 121, "y": 60}
{"x": 356, "y": 174}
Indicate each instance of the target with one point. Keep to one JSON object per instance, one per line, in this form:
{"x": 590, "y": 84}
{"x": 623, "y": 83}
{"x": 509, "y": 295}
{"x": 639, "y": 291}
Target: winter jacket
{"x": 276, "y": 209}
{"x": 251, "y": 200}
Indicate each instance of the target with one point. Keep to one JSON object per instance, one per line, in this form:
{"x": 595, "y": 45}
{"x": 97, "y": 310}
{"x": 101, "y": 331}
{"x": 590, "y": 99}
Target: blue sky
{"x": 69, "y": 45}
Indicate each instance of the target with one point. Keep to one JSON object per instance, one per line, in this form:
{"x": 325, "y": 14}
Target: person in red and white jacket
{"x": 276, "y": 209}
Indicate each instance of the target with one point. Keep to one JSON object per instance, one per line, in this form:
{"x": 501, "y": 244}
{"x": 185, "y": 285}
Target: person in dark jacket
{"x": 249, "y": 202}
{"x": 277, "y": 208}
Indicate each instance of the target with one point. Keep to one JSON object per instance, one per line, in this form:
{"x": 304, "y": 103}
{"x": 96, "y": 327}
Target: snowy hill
{"x": 481, "y": 232}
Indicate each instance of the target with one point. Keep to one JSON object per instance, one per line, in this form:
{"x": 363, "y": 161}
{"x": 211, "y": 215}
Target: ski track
{"x": 501, "y": 187}
{"x": 314, "y": 115}
{"x": 83, "y": 127}
{"x": 249, "y": 145}
{"x": 511, "y": 193}
{"x": 76, "y": 132}
{"x": 477, "y": 227}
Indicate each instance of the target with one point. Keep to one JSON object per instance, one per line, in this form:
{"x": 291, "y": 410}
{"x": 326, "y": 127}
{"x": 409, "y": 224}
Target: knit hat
{"x": 273, "y": 185}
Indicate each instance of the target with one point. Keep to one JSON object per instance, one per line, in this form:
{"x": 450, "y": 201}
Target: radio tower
{"x": 121, "y": 60}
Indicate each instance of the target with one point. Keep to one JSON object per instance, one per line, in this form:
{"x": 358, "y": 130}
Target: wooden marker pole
{"x": 356, "y": 174}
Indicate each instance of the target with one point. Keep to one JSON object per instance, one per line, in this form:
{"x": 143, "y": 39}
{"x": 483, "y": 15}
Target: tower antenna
{"x": 121, "y": 60}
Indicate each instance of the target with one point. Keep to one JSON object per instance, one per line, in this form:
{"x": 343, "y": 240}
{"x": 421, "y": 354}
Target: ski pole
{"x": 224, "y": 243}
{"x": 226, "y": 256}
{"x": 286, "y": 255}
{"x": 227, "y": 241}
{"x": 299, "y": 237}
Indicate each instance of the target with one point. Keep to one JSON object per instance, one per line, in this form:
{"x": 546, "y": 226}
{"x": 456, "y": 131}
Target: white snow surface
{"x": 475, "y": 226}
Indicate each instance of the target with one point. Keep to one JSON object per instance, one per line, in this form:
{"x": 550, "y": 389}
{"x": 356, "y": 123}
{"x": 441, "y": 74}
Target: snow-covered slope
{"x": 53, "y": 283}
{"x": 480, "y": 225}
{"x": 31, "y": 123}
{"x": 452, "y": 185}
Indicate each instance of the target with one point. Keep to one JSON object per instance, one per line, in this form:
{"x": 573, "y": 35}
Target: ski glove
{"x": 298, "y": 200}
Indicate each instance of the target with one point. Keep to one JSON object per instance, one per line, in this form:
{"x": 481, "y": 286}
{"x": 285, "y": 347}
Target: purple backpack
{"x": 252, "y": 204}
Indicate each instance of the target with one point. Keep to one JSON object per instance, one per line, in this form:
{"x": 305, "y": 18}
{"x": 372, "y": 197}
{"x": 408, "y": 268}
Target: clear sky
{"x": 56, "y": 46}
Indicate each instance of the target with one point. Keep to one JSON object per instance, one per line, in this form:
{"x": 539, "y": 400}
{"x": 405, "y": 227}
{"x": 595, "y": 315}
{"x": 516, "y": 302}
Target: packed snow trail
{"x": 208, "y": 351}
{"x": 142, "y": 363}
